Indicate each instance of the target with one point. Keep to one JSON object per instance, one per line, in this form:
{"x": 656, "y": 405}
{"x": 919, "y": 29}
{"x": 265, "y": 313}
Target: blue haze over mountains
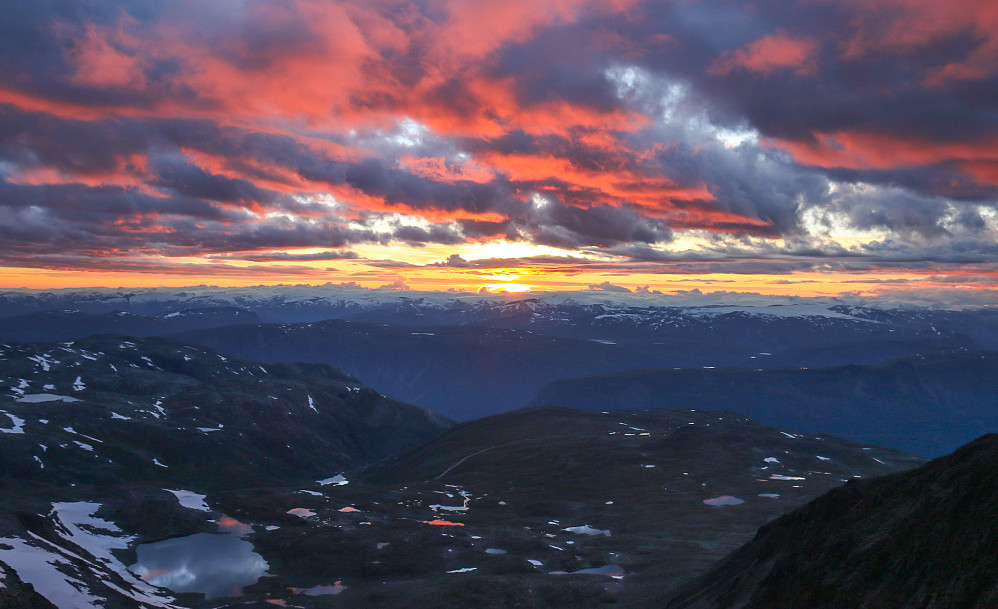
{"x": 914, "y": 378}
{"x": 389, "y": 450}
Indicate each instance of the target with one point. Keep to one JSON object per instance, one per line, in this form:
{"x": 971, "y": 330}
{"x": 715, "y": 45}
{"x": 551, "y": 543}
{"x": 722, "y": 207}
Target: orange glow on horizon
{"x": 515, "y": 288}
{"x": 872, "y": 284}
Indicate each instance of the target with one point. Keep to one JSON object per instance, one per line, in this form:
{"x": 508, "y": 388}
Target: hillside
{"x": 922, "y": 539}
{"x": 110, "y": 409}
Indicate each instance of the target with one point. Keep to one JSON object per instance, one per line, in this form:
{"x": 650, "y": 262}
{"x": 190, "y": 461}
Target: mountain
{"x": 461, "y": 371}
{"x": 101, "y": 438}
{"x": 61, "y": 325}
{"x": 744, "y": 325}
{"x": 471, "y": 371}
{"x": 926, "y": 403}
{"x": 110, "y": 409}
{"x": 656, "y": 495}
{"x": 925, "y": 538}
{"x": 470, "y": 355}
{"x": 542, "y": 508}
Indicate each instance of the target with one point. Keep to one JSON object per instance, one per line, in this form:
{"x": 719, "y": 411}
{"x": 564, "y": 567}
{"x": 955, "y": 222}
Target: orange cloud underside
{"x": 364, "y": 118}
{"x": 855, "y": 150}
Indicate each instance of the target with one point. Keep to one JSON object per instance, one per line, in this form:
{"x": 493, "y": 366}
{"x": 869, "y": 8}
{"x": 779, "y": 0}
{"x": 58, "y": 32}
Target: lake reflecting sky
{"x": 214, "y": 564}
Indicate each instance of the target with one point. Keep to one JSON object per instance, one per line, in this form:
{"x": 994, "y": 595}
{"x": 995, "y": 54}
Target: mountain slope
{"x": 544, "y": 508}
{"x": 109, "y": 409}
{"x": 461, "y": 371}
{"x": 52, "y": 326}
{"x": 923, "y": 539}
{"x": 674, "y": 490}
{"x": 927, "y": 404}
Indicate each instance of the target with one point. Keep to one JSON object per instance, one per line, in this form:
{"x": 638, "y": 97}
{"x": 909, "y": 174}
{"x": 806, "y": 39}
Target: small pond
{"x": 216, "y": 564}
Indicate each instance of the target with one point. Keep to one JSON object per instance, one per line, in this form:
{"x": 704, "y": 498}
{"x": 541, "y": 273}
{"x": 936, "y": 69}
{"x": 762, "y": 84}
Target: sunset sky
{"x": 809, "y": 147}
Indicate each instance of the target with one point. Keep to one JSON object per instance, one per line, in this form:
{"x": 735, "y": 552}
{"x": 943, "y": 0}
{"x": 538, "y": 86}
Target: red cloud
{"x": 767, "y": 55}
{"x": 108, "y": 59}
{"x": 857, "y": 150}
{"x": 902, "y": 26}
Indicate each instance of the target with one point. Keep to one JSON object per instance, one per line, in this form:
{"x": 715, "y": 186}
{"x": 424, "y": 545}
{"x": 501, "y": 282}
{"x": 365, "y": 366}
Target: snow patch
{"x": 587, "y": 530}
{"x": 190, "y": 500}
{"x": 36, "y": 398}
{"x": 17, "y": 422}
{"x": 724, "y": 500}
{"x": 44, "y": 361}
{"x": 39, "y": 567}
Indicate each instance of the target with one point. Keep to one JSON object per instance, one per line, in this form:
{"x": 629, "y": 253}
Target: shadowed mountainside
{"x": 109, "y": 409}
{"x": 922, "y": 539}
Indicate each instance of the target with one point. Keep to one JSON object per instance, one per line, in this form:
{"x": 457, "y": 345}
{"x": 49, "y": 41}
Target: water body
{"x": 215, "y": 564}
{"x": 614, "y": 571}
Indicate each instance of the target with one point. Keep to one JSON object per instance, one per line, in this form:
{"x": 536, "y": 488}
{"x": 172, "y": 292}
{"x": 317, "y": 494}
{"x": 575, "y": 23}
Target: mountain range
{"x": 927, "y": 403}
{"x": 202, "y": 448}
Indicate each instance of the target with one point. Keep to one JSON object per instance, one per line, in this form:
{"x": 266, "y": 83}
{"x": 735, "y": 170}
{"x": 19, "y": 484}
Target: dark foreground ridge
{"x": 925, "y": 539}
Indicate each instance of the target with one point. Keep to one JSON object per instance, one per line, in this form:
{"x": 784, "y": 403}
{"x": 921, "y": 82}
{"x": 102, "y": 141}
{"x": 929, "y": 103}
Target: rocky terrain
{"x": 111, "y": 409}
{"x": 537, "y": 508}
{"x": 924, "y": 538}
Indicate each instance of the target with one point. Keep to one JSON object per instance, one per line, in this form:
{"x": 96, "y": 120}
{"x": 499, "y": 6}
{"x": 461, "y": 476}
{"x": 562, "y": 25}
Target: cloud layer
{"x": 672, "y": 137}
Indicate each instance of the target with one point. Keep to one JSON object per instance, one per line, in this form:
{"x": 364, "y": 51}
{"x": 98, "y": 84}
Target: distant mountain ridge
{"x": 590, "y": 315}
{"x": 926, "y": 403}
{"x": 468, "y": 371}
{"x": 60, "y": 325}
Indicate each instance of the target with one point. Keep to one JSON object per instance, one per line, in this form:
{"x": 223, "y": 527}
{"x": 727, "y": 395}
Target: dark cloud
{"x": 124, "y": 133}
{"x": 456, "y": 261}
{"x": 283, "y": 256}
{"x": 606, "y": 286}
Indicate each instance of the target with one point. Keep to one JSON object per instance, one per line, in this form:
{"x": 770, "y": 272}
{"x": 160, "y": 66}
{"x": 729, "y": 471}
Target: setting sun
{"x": 515, "y": 288}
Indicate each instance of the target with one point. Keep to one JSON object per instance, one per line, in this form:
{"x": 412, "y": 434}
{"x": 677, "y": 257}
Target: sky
{"x": 793, "y": 147}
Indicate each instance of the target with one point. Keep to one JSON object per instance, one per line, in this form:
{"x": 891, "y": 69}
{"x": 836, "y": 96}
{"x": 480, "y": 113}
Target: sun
{"x": 514, "y": 288}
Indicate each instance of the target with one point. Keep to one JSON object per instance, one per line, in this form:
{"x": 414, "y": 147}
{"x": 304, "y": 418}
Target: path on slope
{"x": 475, "y": 454}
